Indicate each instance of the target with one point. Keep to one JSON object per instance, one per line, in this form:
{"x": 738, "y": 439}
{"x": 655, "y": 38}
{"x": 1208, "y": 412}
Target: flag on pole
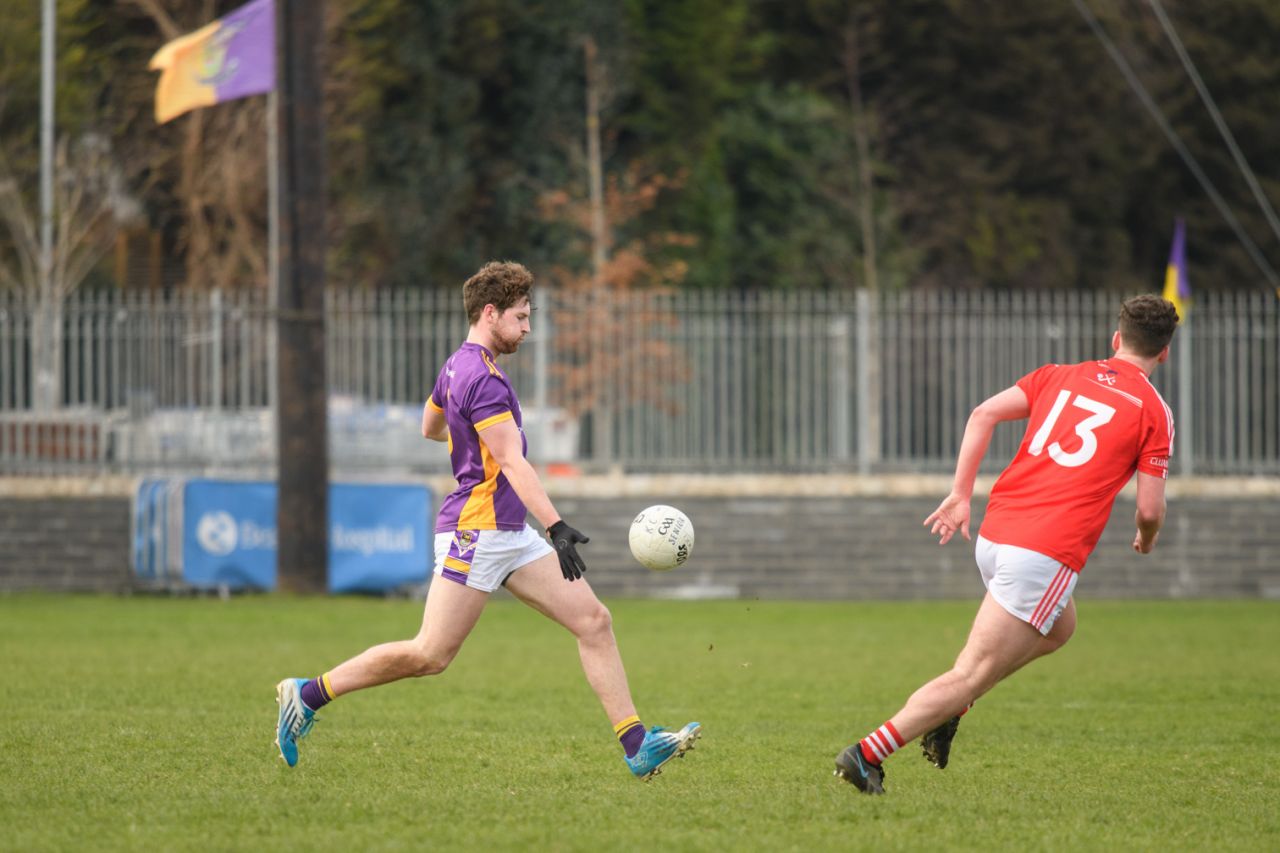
{"x": 1176, "y": 289}
{"x": 233, "y": 57}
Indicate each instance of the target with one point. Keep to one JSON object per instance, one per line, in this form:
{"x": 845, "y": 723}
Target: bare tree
{"x": 586, "y": 367}
{"x": 851, "y": 60}
{"x": 90, "y": 205}
{"x": 595, "y": 162}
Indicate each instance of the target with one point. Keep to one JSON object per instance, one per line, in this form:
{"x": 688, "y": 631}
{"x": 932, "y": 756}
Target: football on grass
{"x": 661, "y": 538}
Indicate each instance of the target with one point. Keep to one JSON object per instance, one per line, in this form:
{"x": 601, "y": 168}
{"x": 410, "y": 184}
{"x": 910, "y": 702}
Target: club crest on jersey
{"x": 464, "y": 541}
{"x": 1108, "y": 377}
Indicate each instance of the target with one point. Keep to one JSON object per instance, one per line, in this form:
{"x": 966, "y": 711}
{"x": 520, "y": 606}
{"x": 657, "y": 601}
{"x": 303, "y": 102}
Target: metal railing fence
{"x": 649, "y": 381}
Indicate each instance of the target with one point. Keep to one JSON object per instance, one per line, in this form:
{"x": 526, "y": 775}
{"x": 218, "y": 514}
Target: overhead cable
{"x": 1176, "y": 142}
{"x": 1217, "y": 117}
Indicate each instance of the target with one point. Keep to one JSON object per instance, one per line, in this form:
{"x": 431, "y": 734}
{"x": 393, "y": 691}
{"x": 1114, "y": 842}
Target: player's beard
{"x": 505, "y": 346}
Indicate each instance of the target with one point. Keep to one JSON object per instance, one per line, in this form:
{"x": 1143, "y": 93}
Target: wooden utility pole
{"x": 302, "y": 435}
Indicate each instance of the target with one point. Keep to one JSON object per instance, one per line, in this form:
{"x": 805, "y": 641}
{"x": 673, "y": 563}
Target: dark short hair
{"x": 498, "y": 283}
{"x": 1147, "y": 324}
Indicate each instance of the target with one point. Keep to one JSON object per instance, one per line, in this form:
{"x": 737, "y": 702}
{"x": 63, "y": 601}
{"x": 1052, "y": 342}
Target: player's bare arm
{"x": 1149, "y": 517}
{"x": 434, "y": 425}
{"x": 503, "y": 441}
{"x": 953, "y": 513}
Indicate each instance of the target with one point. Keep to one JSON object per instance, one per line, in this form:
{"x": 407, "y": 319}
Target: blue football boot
{"x": 660, "y": 746}
{"x": 295, "y": 718}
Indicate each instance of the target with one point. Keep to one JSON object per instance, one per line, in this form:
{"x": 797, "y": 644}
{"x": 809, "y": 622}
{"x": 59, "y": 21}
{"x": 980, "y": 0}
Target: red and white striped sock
{"x": 881, "y": 743}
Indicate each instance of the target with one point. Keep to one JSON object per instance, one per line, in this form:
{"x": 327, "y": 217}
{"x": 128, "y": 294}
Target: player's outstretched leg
{"x": 541, "y": 585}
{"x": 295, "y": 718}
{"x": 936, "y": 744}
{"x": 853, "y": 767}
{"x": 660, "y": 746}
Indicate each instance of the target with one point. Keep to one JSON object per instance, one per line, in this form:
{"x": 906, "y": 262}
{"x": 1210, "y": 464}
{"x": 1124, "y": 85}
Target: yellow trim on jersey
{"x": 457, "y": 565}
{"x": 488, "y": 362}
{"x": 433, "y": 404}
{"x": 478, "y": 512}
{"x": 490, "y": 421}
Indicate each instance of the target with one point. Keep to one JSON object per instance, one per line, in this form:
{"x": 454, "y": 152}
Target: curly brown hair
{"x": 498, "y": 283}
{"x": 1147, "y": 324}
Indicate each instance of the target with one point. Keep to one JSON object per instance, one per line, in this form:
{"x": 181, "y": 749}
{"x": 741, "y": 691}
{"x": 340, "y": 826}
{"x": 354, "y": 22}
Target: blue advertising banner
{"x": 379, "y": 535}
{"x": 149, "y": 529}
{"x": 229, "y": 534}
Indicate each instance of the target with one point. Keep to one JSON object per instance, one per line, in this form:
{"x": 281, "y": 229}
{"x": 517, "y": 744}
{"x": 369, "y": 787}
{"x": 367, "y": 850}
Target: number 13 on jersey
{"x": 1101, "y": 414}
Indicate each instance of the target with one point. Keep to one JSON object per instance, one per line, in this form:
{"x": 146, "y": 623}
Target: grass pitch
{"x": 147, "y": 724}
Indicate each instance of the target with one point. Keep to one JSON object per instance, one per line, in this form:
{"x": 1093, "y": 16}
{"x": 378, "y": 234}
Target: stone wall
{"x": 756, "y": 537}
{"x": 65, "y": 543}
{"x": 877, "y": 548}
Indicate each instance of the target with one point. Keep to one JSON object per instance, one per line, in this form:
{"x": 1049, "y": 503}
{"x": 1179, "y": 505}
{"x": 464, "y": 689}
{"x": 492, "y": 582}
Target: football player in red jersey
{"x": 1090, "y": 427}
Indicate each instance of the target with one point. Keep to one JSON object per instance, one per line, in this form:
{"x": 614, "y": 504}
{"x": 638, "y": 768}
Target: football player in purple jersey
{"x": 482, "y": 540}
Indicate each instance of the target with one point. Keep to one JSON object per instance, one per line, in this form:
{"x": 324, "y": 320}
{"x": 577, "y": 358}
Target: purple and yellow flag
{"x": 1176, "y": 289}
{"x": 231, "y": 58}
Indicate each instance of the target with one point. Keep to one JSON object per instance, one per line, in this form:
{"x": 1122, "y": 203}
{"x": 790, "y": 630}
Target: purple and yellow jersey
{"x": 474, "y": 393}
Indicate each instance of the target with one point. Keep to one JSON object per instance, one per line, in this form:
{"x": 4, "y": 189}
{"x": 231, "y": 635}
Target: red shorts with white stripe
{"x": 1028, "y": 584}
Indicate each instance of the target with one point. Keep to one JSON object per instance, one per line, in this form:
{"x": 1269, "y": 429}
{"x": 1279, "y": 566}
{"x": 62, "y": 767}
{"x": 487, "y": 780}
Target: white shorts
{"x": 1031, "y": 586}
{"x": 484, "y": 559}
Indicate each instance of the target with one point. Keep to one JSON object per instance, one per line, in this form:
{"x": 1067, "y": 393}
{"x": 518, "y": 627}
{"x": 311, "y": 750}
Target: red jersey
{"x": 1091, "y": 426}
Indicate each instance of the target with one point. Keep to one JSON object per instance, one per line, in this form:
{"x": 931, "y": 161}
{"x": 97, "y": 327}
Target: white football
{"x": 661, "y": 538}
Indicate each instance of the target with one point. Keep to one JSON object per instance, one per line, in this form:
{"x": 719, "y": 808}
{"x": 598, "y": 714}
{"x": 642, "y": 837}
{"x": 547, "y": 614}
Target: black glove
{"x": 566, "y": 539}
